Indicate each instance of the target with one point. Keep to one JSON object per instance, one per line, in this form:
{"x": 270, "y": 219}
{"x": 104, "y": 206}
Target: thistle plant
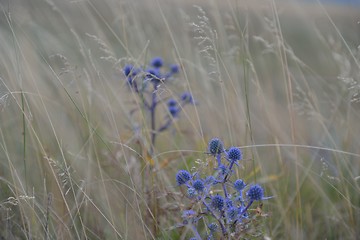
{"x": 146, "y": 84}
{"x": 218, "y": 203}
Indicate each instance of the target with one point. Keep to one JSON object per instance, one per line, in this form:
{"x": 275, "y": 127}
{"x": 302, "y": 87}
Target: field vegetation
{"x": 278, "y": 79}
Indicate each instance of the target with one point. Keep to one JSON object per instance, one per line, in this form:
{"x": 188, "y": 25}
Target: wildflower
{"x": 153, "y": 75}
{"x": 217, "y": 202}
{"x": 173, "y": 110}
{"x": 172, "y": 107}
{"x": 182, "y": 177}
{"x": 198, "y": 185}
{"x": 172, "y": 102}
{"x": 191, "y": 192}
{"x": 234, "y": 154}
{"x": 255, "y": 193}
{"x": 239, "y": 185}
{"x": 157, "y": 62}
{"x": 174, "y": 68}
{"x": 128, "y": 69}
{"x": 216, "y": 146}
{"x": 186, "y": 97}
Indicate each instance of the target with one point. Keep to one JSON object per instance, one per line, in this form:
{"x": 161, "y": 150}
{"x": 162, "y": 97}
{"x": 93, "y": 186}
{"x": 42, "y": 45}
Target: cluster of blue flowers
{"x": 223, "y": 211}
{"x": 146, "y": 83}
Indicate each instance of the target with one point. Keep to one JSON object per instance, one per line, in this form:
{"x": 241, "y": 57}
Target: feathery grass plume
{"x": 227, "y": 208}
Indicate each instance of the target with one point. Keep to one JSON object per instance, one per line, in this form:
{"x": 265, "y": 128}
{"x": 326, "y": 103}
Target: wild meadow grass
{"x": 83, "y": 153}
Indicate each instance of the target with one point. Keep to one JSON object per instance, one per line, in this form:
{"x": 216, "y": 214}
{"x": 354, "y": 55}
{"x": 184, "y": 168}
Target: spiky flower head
{"x": 255, "y": 193}
{"x": 216, "y": 146}
{"x": 182, "y": 177}
{"x": 128, "y": 69}
{"x": 174, "y": 68}
{"x": 239, "y": 185}
{"x": 234, "y": 154}
{"x": 157, "y": 62}
{"x": 191, "y": 192}
{"x": 173, "y": 110}
{"x": 198, "y": 185}
{"x": 172, "y": 102}
{"x": 217, "y": 202}
{"x": 186, "y": 97}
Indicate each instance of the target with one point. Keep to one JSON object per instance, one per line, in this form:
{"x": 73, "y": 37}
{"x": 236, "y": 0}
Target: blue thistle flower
{"x": 217, "y": 202}
{"x": 215, "y": 146}
{"x": 173, "y": 110}
{"x": 182, "y": 177}
{"x": 191, "y": 192}
{"x": 172, "y": 102}
{"x": 239, "y": 185}
{"x": 153, "y": 75}
{"x": 174, "y": 68}
{"x": 255, "y": 193}
{"x": 199, "y": 185}
{"x": 173, "y": 107}
{"x": 186, "y": 97}
{"x": 157, "y": 62}
{"x": 234, "y": 154}
{"x": 128, "y": 69}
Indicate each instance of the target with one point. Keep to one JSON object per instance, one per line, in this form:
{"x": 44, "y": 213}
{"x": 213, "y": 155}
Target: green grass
{"x": 271, "y": 77}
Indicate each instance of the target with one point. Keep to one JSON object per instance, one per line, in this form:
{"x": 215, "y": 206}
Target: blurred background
{"x": 280, "y": 79}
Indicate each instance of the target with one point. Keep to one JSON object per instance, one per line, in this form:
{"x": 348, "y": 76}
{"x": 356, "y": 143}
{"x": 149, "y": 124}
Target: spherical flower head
{"x": 172, "y": 102}
{"x": 217, "y": 202}
{"x": 174, "y": 68}
{"x": 128, "y": 69}
{"x": 199, "y": 185}
{"x": 213, "y": 227}
{"x": 153, "y": 73}
{"x": 255, "y": 193}
{"x": 182, "y": 177}
{"x": 234, "y": 154}
{"x": 239, "y": 185}
{"x": 191, "y": 192}
{"x": 186, "y": 97}
{"x": 157, "y": 62}
{"x": 216, "y": 146}
{"x": 173, "y": 110}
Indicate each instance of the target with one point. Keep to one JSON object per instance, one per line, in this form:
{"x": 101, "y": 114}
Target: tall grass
{"x": 278, "y": 79}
